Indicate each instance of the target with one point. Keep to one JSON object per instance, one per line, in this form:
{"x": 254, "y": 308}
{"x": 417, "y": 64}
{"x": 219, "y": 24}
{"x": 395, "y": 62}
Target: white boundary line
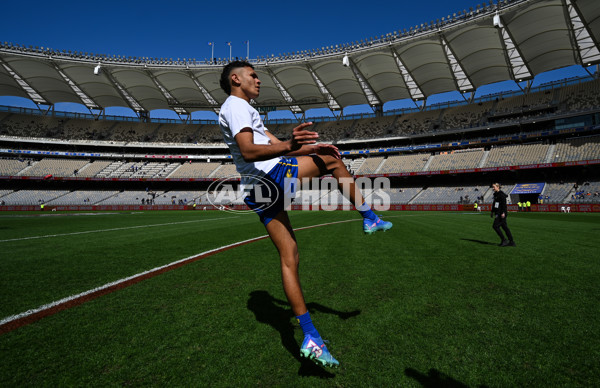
{"x": 149, "y": 273}
{"x": 117, "y": 282}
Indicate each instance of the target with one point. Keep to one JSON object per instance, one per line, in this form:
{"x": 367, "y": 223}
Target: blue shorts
{"x": 276, "y": 190}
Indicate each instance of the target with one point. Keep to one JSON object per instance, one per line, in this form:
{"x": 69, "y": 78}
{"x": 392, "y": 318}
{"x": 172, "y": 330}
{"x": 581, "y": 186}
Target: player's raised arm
{"x": 252, "y": 152}
{"x": 311, "y": 148}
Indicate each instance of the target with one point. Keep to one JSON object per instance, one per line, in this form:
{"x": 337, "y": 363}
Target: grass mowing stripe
{"x": 112, "y": 229}
{"x": 15, "y": 321}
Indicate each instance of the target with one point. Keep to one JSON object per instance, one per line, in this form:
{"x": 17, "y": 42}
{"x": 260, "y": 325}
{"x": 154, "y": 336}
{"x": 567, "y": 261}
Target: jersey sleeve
{"x": 238, "y": 117}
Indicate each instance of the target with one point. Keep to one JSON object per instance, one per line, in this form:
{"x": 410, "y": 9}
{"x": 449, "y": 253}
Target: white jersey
{"x": 235, "y": 115}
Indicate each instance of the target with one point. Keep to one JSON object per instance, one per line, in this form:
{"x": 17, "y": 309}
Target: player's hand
{"x": 302, "y": 136}
{"x": 502, "y": 215}
{"x": 328, "y": 149}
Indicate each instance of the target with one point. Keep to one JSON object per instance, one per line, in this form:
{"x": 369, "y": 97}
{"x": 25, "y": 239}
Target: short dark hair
{"x": 225, "y": 82}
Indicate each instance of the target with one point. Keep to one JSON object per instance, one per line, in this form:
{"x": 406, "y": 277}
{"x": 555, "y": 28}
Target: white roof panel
{"x": 541, "y": 33}
{"x": 479, "y": 50}
{"x": 8, "y": 85}
{"x": 382, "y": 74}
{"x": 589, "y": 10}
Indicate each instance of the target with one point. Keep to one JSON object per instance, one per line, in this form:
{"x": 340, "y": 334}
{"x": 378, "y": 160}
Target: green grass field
{"x": 433, "y": 301}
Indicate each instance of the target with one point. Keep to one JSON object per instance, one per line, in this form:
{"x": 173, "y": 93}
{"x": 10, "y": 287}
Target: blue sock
{"x": 307, "y": 325}
{"x": 366, "y": 212}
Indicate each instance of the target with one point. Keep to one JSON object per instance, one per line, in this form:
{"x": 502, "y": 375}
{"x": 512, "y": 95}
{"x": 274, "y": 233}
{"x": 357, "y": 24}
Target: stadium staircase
{"x": 4, "y": 193}
{"x": 351, "y": 128}
{"x": 492, "y": 109}
{"x": 567, "y": 198}
{"x": 556, "y": 97}
{"x": 487, "y": 196}
{"x": 215, "y": 171}
{"x": 99, "y": 201}
{"x": 173, "y": 171}
{"x": 483, "y": 159}
{"x": 426, "y": 166}
{"x": 108, "y": 170}
{"x": 544, "y": 189}
{"x": 356, "y": 164}
{"x": 110, "y": 130}
{"x": 82, "y": 169}
{"x": 154, "y": 133}
{"x": 550, "y": 154}
{"x": 380, "y": 165}
{"x": 57, "y": 197}
{"x": 413, "y": 199}
{"x": 23, "y": 171}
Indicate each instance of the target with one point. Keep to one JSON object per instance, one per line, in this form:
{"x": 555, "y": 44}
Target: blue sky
{"x": 179, "y": 29}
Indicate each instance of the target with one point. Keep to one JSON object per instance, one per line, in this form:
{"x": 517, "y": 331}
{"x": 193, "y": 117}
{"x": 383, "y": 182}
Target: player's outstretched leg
{"x": 319, "y": 165}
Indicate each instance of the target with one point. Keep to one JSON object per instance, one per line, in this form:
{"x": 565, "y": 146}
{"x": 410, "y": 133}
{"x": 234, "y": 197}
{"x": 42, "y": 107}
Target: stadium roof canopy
{"x": 508, "y": 40}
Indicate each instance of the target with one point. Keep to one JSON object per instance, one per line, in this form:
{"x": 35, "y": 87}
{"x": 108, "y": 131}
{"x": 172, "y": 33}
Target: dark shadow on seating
{"x": 478, "y": 241}
{"x": 434, "y": 378}
{"x": 277, "y": 314}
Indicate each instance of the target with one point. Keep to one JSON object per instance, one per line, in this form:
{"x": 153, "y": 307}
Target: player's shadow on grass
{"x": 478, "y": 241}
{"x": 434, "y": 378}
{"x": 276, "y": 313}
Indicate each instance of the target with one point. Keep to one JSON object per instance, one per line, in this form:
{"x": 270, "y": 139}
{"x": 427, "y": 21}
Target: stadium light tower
{"x": 229, "y": 44}
{"x": 247, "y": 49}
{"x": 212, "y": 51}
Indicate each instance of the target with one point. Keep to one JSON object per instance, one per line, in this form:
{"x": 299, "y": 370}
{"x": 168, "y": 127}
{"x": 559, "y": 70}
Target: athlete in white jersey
{"x": 235, "y": 115}
{"x": 258, "y": 152}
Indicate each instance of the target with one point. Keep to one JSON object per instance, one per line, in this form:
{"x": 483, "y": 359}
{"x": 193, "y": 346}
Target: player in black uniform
{"x": 499, "y": 213}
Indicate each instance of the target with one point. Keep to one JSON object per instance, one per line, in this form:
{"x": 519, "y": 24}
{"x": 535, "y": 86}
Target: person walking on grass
{"x": 269, "y": 166}
{"x": 499, "y": 213}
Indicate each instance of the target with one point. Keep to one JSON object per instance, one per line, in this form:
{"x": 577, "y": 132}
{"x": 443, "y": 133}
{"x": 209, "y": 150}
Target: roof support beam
{"x": 132, "y": 102}
{"x": 371, "y": 96}
{"x": 205, "y": 93}
{"x": 31, "y": 92}
{"x": 415, "y": 92}
{"x": 514, "y": 58}
{"x": 332, "y": 102}
{"x": 173, "y": 103}
{"x": 462, "y": 81}
{"x": 85, "y": 99}
{"x": 587, "y": 48}
{"x": 284, "y": 93}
